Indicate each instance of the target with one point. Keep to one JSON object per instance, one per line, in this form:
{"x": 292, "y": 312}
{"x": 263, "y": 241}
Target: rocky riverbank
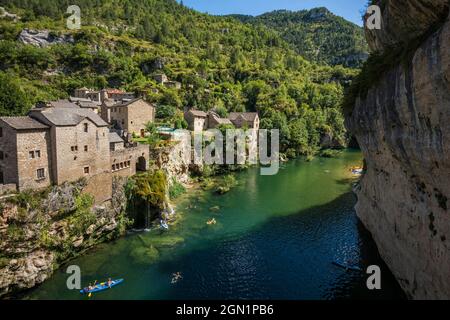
{"x": 40, "y": 230}
{"x": 400, "y": 119}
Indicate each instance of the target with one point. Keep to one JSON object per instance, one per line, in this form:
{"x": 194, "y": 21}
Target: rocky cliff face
{"x": 37, "y": 232}
{"x": 403, "y": 128}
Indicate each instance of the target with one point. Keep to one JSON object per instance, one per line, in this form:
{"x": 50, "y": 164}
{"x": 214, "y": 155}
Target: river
{"x": 275, "y": 238}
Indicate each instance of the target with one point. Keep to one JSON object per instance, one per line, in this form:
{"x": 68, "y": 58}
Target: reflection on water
{"x": 275, "y": 237}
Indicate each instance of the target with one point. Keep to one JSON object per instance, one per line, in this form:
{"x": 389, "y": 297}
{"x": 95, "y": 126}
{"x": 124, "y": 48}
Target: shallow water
{"x": 275, "y": 238}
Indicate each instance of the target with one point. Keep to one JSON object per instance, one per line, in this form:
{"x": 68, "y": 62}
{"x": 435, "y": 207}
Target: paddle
{"x": 90, "y": 293}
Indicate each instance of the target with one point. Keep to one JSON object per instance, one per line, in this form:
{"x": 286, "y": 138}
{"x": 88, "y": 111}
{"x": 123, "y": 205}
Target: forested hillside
{"x": 221, "y": 63}
{"x": 317, "y": 34}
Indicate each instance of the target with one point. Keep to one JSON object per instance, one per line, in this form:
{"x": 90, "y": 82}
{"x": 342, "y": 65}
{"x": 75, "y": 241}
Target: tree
{"x": 14, "y": 101}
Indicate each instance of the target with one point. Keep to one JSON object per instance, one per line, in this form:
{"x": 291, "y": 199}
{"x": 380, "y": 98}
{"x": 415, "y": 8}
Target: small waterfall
{"x": 147, "y": 217}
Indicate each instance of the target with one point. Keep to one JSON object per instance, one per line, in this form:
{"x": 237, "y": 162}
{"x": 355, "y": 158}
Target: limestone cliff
{"x": 402, "y": 123}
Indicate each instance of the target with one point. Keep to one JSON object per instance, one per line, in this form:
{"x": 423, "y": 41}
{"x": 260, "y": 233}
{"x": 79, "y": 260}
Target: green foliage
{"x": 30, "y": 199}
{"x": 317, "y": 34}
{"x": 176, "y": 189}
{"x": 83, "y": 217}
{"x": 330, "y": 153}
{"x": 222, "y": 63}
{"x": 15, "y": 232}
{"x": 150, "y": 187}
{"x": 226, "y": 183}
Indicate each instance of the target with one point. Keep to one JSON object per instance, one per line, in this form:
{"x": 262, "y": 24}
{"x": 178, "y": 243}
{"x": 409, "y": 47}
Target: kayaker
{"x": 109, "y": 283}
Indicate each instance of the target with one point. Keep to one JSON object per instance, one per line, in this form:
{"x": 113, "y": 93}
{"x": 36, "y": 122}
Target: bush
{"x": 226, "y": 184}
{"x": 330, "y": 153}
{"x": 176, "y": 189}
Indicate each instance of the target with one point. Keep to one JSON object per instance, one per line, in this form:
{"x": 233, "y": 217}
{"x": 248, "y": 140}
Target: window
{"x": 86, "y": 148}
{"x": 86, "y": 127}
{"x": 128, "y": 163}
{"x": 74, "y": 148}
{"x": 38, "y": 153}
{"x": 86, "y": 170}
{"x": 40, "y": 173}
{"x": 1, "y": 132}
{"x": 2, "y": 178}
{"x": 113, "y": 168}
{"x": 2, "y": 156}
{"x": 31, "y": 154}
{"x": 121, "y": 165}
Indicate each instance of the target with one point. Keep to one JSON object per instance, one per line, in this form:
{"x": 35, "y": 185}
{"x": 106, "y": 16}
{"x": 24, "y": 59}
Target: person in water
{"x": 176, "y": 276}
{"x": 88, "y": 288}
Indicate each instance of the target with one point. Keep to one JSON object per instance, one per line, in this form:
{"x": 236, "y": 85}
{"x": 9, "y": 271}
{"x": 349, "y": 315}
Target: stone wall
{"x": 175, "y": 160}
{"x": 139, "y": 114}
{"x": 37, "y": 142}
{"x": 70, "y": 163}
{"x": 8, "y": 145}
{"x": 134, "y": 155}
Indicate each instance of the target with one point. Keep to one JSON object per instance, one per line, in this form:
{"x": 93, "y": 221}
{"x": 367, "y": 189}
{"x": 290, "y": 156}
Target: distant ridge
{"x": 317, "y": 34}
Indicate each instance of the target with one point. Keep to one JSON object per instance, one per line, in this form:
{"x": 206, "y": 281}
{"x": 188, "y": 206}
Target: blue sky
{"x": 349, "y": 9}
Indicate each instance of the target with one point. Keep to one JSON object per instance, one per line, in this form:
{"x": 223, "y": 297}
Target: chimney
{"x": 103, "y": 95}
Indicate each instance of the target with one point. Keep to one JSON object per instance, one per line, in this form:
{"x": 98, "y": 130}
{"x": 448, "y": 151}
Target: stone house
{"x": 116, "y": 142}
{"x": 197, "y": 120}
{"x": 214, "y": 120}
{"x": 130, "y": 116}
{"x": 173, "y": 84}
{"x": 79, "y": 144}
{"x": 25, "y": 157}
{"x": 160, "y": 78}
{"x": 249, "y": 120}
{"x": 60, "y": 142}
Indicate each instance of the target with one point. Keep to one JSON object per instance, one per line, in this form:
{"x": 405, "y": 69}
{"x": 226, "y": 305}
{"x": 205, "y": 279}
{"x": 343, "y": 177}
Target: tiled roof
{"x": 114, "y": 138}
{"x": 248, "y": 116}
{"x": 63, "y": 104}
{"x": 88, "y": 104}
{"x": 75, "y": 99}
{"x": 223, "y": 121}
{"x": 23, "y": 123}
{"x": 67, "y": 116}
{"x": 127, "y": 103}
{"x": 114, "y": 91}
{"x": 198, "y": 113}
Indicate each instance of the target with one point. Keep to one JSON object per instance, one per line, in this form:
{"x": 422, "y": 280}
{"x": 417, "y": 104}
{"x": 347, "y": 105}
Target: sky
{"x": 349, "y": 9}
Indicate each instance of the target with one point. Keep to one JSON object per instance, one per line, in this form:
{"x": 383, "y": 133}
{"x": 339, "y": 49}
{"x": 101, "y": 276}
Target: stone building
{"x": 130, "y": 116}
{"x": 25, "y": 157}
{"x": 61, "y": 142}
{"x": 248, "y": 120}
{"x": 173, "y": 85}
{"x": 161, "y": 78}
{"x": 214, "y": 120}
{"x": 197, "y": 120}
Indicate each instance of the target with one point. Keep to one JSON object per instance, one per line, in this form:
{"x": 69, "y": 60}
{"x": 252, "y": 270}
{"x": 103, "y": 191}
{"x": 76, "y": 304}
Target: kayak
{"x": 346, "y": 267}
{"x": 101, "y": 287}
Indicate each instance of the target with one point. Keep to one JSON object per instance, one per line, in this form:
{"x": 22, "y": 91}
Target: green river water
{"x": 275, "y": 238}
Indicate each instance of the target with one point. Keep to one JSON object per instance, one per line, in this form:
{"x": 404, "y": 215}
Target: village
{"x": 91, "y": 135}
